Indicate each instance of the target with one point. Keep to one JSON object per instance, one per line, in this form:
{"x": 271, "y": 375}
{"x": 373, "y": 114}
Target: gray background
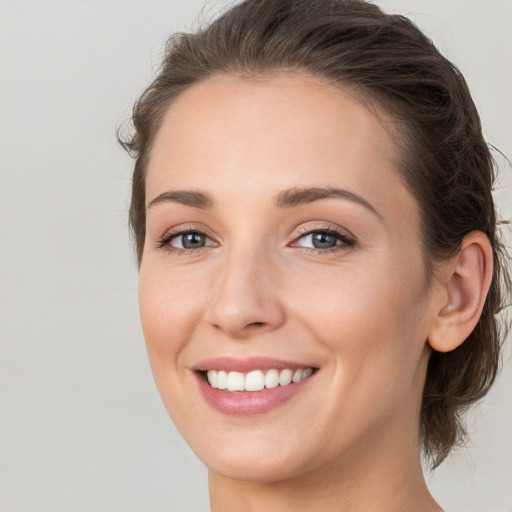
{"x": 81, "y": 425}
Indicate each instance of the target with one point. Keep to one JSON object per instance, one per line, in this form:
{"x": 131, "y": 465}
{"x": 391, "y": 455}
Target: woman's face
{"x": 280, "y": 238}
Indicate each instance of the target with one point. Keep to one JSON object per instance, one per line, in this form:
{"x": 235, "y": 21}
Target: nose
{"x": 245, "y": 298}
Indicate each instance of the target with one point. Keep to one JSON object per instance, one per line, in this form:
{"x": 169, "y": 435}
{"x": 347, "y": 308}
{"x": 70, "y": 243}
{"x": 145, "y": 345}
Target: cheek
{"x": 360, "y": 301}
{"x": 372, "y": 321}
{"x": 373, "y": 329}
{"x": 167, "y": 307}
{"x": 166, "y": 316}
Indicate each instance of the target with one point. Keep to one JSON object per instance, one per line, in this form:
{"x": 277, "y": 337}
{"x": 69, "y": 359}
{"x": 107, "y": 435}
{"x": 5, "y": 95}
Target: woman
{"x": 320, "y": 267}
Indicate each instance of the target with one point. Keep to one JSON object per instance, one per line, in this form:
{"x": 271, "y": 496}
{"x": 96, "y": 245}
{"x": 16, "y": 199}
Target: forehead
{"x": 237, "y": 135}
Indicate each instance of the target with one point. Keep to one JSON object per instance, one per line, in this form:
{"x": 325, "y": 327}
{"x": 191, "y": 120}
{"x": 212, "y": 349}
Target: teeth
{"x": 236, "y": 381}
{"x": 213, "y": 378}
{"x": 306, "y": 373}
{"x": 297, "y": 375}
{"x": 272, "y": 379}
{"x": 222, "y": 380}
{"x": 285, "y": 377}
{"x": 255, "y": 380}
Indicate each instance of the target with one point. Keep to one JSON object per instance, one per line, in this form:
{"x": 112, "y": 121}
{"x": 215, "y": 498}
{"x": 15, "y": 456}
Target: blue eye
{"x": 185, "y": 240}
{"x": 325, "y": 239}
{"x": 322, "y": 240}
{"x": 191, "y": 240}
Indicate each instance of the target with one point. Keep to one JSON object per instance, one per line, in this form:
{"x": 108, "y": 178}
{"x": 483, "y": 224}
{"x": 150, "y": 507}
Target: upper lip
{"x": 232, "y": 364}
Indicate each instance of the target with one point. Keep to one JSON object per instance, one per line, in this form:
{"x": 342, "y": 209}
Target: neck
{"x": 371, "y": 478}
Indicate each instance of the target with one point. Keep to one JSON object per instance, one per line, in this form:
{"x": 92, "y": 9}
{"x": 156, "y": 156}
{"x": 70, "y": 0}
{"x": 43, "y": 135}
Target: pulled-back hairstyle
{"x": 446, "y": 163}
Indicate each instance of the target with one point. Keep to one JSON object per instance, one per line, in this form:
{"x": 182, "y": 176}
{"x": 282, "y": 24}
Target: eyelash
{"x": 346, "y": 241}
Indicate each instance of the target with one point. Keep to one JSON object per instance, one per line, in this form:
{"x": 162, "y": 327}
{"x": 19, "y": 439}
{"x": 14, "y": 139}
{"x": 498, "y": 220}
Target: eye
{"x": 318, "y": 241}
{"x": 185, "y": 241}
{"x": 324, "y": 240}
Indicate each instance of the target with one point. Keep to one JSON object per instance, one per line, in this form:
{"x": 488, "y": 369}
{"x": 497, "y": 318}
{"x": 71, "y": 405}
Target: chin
{"x": 254, "y": 468}
{"x": 255, "y": 457}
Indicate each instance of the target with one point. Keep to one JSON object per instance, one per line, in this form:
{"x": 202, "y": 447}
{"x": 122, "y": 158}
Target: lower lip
{"x": 248, "y": 403}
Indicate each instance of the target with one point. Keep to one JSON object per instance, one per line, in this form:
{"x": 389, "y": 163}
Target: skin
{"x": 361, "y": 314}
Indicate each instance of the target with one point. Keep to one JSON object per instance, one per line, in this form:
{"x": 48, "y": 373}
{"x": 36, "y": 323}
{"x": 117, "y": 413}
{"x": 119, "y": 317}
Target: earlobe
{"x": 466, "y": 280}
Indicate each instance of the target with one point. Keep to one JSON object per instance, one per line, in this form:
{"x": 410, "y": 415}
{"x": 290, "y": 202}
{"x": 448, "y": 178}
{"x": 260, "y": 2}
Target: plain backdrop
{"x": 81, "y": 424}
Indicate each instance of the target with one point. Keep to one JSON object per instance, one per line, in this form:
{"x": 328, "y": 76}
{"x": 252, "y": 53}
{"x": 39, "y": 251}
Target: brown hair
{"x": 446, "y": 163}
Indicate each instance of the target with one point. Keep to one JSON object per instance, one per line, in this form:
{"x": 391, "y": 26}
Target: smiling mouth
{"x": 256, "y": 380}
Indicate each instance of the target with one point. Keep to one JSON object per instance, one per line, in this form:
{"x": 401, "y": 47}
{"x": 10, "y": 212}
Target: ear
{"x": 464, "y": 283}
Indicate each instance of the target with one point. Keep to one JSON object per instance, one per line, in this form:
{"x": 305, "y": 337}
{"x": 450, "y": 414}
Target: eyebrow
{"x": 287, "y": 198}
